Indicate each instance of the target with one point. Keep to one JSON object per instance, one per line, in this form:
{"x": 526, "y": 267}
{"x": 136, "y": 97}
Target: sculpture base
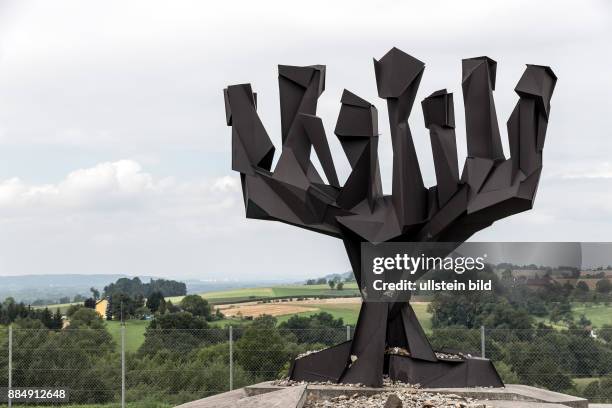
{"x": 330, "y": 365}
{"x": 267, "y": 395}
{"x": 325, "y": 365}
{"x": 467, "y": 372}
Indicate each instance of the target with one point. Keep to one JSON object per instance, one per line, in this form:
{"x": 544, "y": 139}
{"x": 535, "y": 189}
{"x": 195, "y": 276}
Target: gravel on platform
{"x": 398, "y": 398}
{"x": 395, "y": 395}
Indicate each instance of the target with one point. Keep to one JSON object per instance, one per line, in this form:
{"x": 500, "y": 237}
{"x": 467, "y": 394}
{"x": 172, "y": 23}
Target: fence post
{"x": 231, "y": 358}
{"x": 122, "y": 365}
{"x": 10, "y": 362}
{"x": 482, "y": 341}
{"x": 348, "y": 332}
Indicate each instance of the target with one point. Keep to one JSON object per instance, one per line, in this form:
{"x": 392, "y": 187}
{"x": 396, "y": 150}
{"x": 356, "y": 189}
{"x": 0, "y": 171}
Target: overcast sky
{"x": 115, "y": 157}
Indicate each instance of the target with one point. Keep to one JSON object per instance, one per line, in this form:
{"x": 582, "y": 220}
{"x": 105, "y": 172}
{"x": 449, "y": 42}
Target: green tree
{"x": 591, "y": 391}
{"x": 536, "y": 306}
{"x": 605, "y": 332}
{"x": 561, "y": 311}
{"x": 156, "y": 302}
{"x": 196, "y": 305}
{"x": 505, "y": 372}
{"x": 262, "y": 349}
{"x": 339, "y": 286}
{"x": 331, "y": 283}
{"x": 583, "y": 321}
{"x": 72, "y": 309}
{"x": 544, "y": 361}
{"x": 95, "y": 293}
{"x": 122, "y": 306}
{"x": 177, "y": 333}
{"x": 58, "y": 320}
{"x": 603, "y": 286}
{"x": 85, "y": 317}
{"x": 606, "y": 389}
{"x": 172, "y": 308}
{"x": 135, "y": 287}
{"x": 67, "y": 358}
{"x": 582, "y": 287}
{"x": 46, "y": 317}
{"x": 318, "y": 328}
{"x": 142, "y": 312}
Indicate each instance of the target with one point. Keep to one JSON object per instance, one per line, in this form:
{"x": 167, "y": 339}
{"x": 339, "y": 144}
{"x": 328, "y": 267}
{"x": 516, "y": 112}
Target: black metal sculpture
{"x": 491, "y": 187}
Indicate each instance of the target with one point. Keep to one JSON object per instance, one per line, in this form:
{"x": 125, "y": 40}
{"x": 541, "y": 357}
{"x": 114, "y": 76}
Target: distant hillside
{"x": 50, "y": 288}
{"x": 28, "y": 288}
{"x": 337, "y": 276}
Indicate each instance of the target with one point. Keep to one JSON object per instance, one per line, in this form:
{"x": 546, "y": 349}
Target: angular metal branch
{"x": 398, "y": 76}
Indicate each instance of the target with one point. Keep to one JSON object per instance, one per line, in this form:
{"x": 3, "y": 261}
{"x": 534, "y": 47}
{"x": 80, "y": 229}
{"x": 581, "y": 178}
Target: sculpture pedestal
{"x": 267, "y": 395}
{"x": 331, "y": 364}
{"x": 466, "y": 372}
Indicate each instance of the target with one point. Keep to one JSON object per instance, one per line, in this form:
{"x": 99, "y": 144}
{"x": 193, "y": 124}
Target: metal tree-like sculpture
{"x": 490, "y": 187}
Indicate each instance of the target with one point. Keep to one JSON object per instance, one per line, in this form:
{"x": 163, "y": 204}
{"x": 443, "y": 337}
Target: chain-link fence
{"x": 174, "y": 366}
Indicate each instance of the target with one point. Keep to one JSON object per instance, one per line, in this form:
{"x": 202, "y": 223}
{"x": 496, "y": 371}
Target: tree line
{"x": 525, "y": 349}
{"x": 135, "y": 287}
{"x": 10, "y": 311}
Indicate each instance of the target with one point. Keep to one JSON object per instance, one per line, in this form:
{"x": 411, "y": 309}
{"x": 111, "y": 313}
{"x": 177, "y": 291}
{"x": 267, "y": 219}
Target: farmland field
{"x": 244, "y": 294}
{"x": 345, "y": 308}
{"x": 63, "y": 307}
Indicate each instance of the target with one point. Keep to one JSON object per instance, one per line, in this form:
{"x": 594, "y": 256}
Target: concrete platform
{"x": 288, "y": 397}
{"x": 513, "y": 393}
{"x": 267, "y": 395}
{"x": 517, "y": 392}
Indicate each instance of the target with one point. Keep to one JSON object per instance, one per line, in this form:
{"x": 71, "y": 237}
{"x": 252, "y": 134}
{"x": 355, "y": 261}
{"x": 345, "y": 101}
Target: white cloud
{"x": 226, "y": 183}
{"x": 117, "y": 217}
{"x": 84, "y": 188}
{"x": 589, "y": 170}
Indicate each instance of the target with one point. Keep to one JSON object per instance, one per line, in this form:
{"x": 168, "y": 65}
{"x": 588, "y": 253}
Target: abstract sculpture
{"x": 490, "y": 187}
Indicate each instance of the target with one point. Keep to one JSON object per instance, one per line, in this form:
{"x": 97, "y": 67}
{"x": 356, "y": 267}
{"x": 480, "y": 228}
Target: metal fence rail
{"x": 174, "y": 366}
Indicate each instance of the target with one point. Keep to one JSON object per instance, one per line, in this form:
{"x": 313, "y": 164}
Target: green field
{"x": 134, "y": 333}
{"x": 582, "y": 382}
{"x": 243, "y": 294}
{"x": 599, "y": 315}
{"x": 348, "y": 313}
{"x": 63, "y": 307}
